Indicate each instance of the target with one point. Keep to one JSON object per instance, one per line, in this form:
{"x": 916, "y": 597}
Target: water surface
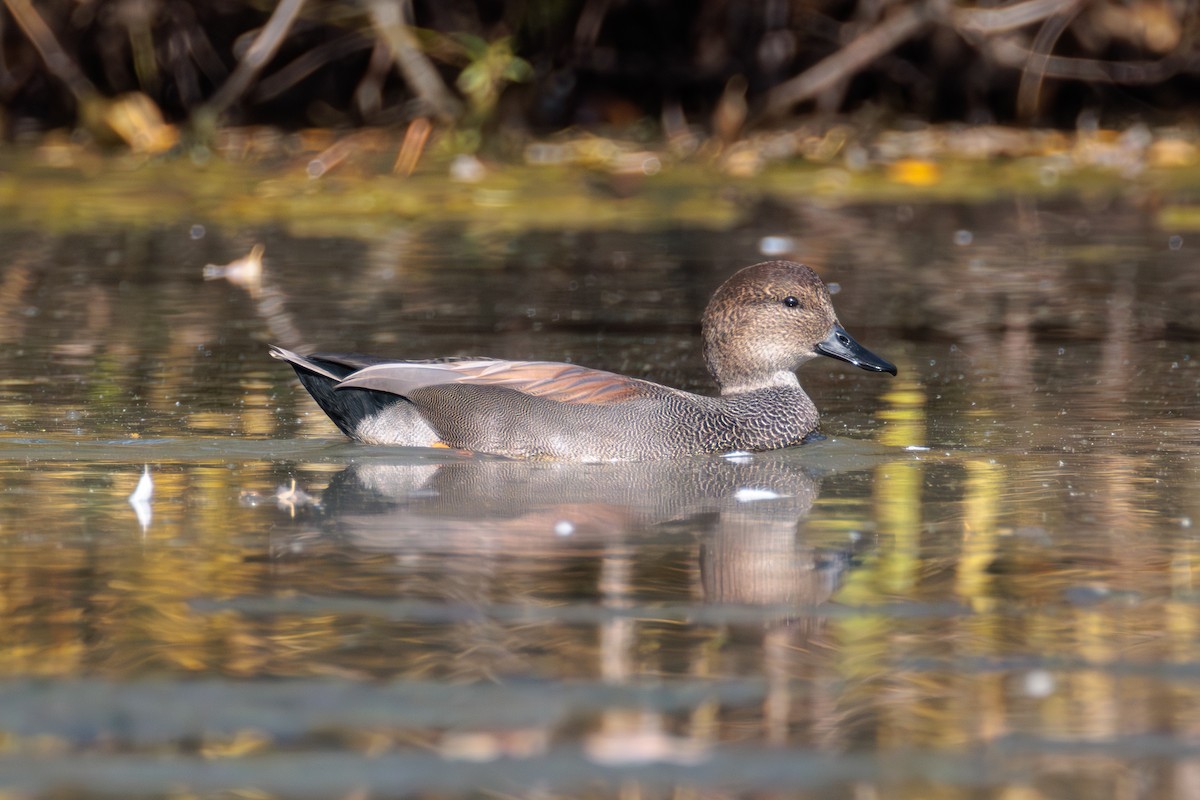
{"x": 981, "y": 584}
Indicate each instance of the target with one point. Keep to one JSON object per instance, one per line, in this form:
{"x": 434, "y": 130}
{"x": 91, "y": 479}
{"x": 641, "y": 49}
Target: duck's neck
{"x": 784, "y": 379}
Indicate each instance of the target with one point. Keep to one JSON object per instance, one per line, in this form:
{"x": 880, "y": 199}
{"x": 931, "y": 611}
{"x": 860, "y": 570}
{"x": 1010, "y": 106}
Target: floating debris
{"x": 290, "y": 497}
{"x": 140, "y": 498}
{"x": 245, "y": 271}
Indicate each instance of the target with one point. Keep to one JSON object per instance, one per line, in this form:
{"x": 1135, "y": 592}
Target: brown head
{"x": 767, "y": 320}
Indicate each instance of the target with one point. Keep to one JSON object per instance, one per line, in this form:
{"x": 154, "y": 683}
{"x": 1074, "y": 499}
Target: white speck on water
{"x": 1175, "y": 242}
{"x": 197, "y": 232}
{"x": 916, "y": 447}
{"x": 145, "y": 487}
{"x": 738, "y": 456}
{"x": 963, "y": 238}
{"x": 1062, "y": 351}
{"x": 776, "y": 245}
{"x": 750, "y": 495}
{"x": 1185, "y": 522}
{"x": 564, "y": 527}
{"x": 140, "y": 498}
{"x": 1039, "y": 683}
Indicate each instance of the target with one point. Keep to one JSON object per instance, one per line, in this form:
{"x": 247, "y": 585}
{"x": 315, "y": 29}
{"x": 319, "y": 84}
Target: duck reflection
{"x": 742, "y": 517}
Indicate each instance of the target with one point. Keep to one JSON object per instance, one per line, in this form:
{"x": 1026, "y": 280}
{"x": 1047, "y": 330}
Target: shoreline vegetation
{"x": 348, "y": 182}
{"x": 392, "y": 108}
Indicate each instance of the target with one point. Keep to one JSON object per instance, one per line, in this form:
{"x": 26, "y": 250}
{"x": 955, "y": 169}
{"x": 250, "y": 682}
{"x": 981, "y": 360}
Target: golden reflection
{"x": 898, "y": 490}
{"x": 258, "y": 409}
{"x": 903, "y": 412}
{"x": 981, "y": 501}
{"x": 1095, "y": 690}
{"x": 898, "y": 487}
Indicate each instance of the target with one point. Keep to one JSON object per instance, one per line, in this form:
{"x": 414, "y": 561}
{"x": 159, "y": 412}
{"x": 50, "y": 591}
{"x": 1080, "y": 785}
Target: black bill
{"x": 841, "y": 345}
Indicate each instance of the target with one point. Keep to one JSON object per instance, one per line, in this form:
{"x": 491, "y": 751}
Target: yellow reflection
{"x": 217, "y": 421}
{"x": 898, "y": 510}
{"x": 1095, "y": 691}
{"x": 1180, "y": 615}
{"x": 898, "y": 487}
{"x": 258, "y": 415}
{"x": 904, "y": 413}
{"x": 981, "y": 511}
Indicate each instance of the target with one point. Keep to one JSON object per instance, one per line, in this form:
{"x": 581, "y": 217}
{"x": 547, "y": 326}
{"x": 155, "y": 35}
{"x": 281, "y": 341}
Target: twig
{"x": 256, "y": 57}
{"x": 418, "y": 72}
{"x": 1010, "y": 54}
{"x": 305, "y": 65}
{"x": 852, "y": 58}
{"x": 1039, "y": 54}
{"x": 368, "y": 95}
{"x": 55, "y": 58}
{"x": 414, "y": 144}
{"x": 1008, "y": 18}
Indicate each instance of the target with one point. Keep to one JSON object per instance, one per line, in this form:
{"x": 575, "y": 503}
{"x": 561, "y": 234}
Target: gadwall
{"x": 759, "y": 327}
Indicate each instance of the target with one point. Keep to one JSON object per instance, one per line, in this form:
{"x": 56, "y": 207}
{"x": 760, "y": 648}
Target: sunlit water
{"x": 981, "y": 584}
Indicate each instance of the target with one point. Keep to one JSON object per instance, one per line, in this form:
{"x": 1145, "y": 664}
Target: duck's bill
{"x": 841, "y": 345}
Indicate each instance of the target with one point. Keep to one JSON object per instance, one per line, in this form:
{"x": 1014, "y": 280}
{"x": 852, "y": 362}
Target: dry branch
{"x": 260, "y": 52}
{"x": 851, "y": 59}
{"x": 416, "y": 68}
{"x": 1047, "y": 36}
{"x": 1133, "y": 73}
{"x": 1008, "y": 18}
{"x": 61, "y": 65}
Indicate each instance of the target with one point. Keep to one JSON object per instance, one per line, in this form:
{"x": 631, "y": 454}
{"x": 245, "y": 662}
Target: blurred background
{"x": 499, "y": 73}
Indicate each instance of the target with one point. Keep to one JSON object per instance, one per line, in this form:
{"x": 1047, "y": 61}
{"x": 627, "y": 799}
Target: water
{"x": 981, "y": 584}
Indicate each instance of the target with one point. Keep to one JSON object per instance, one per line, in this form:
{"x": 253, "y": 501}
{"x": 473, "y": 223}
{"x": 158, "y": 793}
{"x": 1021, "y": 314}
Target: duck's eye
{"x": 790, "y": 301}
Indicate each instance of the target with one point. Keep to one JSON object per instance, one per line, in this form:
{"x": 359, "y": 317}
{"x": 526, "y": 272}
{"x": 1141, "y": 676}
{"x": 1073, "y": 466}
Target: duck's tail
{"x": 320, "y": 375}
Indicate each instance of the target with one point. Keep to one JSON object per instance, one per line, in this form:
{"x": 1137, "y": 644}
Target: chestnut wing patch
{"x": 566, "y": 383}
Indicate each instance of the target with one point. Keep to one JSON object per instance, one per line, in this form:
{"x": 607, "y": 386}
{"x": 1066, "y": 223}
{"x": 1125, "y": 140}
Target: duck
{"x": 760, "y": 326}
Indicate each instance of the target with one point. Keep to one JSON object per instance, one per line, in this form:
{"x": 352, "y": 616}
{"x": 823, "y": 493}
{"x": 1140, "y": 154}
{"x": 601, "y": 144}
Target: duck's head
{"x": 767, "y": 320}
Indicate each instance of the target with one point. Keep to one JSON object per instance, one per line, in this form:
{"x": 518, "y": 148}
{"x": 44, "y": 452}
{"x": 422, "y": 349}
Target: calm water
{"x": 984, "y": 583}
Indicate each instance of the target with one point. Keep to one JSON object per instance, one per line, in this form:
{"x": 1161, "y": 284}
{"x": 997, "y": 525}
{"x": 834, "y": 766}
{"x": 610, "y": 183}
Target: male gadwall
{"x": 759, "y": 327}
